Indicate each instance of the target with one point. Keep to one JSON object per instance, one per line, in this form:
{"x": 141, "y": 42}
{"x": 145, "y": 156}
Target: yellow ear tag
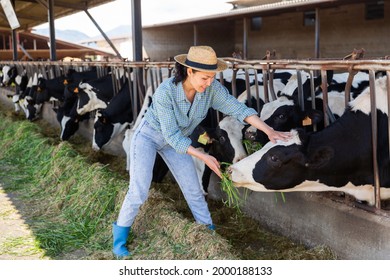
{"x": 307, "y": 121}
{"x": 203, "y": 138}
{"x": 76, "y": 90}
{"x": 65, "y": 82}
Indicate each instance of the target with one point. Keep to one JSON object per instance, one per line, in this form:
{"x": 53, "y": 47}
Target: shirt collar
{"x": 180, "y": 92}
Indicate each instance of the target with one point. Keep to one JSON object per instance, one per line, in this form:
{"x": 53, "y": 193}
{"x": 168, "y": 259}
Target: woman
{"x": 179, "y": 104}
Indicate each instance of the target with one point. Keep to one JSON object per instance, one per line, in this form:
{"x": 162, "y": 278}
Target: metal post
{"x": 103, "y": 34}
{"x": 14, "y": 39}
{"x": 53, "y": 51}
{"x": 388, "y": 107}
{"x": 374, "y": 130}
{"x": 137, "y": 29}
{"x": 136, "y": 21}
{"x": 195, "y": 27}
{"x": 317, "y": 34}
{"x": 301, "y": 98}
{"x": 245, "y": 39}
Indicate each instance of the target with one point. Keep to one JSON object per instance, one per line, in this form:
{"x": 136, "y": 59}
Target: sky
{"x": 116, "y": 13}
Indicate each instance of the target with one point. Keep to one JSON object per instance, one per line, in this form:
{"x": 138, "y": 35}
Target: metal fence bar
{"x": 374, "y": 130}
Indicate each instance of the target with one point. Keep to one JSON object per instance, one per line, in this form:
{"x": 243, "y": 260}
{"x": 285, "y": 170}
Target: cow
{"x": 359, "y": 83}
{"x": 285, "y": 112}
{"x": 21, "y": 82}
{"x": 279, "y": 76}
{"x": 337, "y": 158}
{"x": 224, "y": 142}
{"x": 27, "y": 99}
{"x": 69, "y": 119}
{"x": 112, "y": 120}
{"x": 53, "y": 89}
{"x": 9, "y": 75}
{"x": 80, "y": 100}
{"x": 94, "y": 94}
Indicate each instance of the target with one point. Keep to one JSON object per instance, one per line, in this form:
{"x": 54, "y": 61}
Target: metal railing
{"x": 148, "y": 75}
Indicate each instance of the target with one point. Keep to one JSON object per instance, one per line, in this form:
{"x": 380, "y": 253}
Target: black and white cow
{"x": 53, "y": 89}
{"x": 27, "y": 99}
{"x": 21, "y": 82}
{"x": 282, "y": 113}
{"x": 79, "y": 101}
{"x": 224, "y": 143}
{"x": 94, "y": 94}
{"x": 69, "y": 119}
{"x": 9, "y": 75}
{"x": 337, "y": 158}
{"x": 111, "y": 121}
{"x": 285, "y": 112}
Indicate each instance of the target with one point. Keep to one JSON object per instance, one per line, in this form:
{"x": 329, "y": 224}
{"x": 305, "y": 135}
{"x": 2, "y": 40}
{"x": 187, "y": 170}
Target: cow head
{"x": 9, "y": 75}
{"x": 103, "y": 130}
{"x": 225, "y": 142}
{"x": 283, "y": 114}
{"x": 281, "y": 165}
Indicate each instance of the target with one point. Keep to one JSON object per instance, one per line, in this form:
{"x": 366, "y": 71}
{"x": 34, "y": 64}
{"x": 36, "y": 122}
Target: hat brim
{"x": 221, "y": 64}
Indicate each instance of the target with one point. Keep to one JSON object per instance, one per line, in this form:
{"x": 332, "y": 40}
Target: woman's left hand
{"x": 278, "y": 135}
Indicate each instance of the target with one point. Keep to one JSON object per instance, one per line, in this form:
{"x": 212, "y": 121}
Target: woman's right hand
{"x": 209, "y": 160}
{"x": 213, "y": 164}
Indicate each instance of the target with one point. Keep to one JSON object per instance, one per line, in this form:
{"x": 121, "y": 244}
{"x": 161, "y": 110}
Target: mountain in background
{"x": 75, "y": 36}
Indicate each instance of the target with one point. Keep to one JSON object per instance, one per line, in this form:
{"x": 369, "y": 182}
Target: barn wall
{"x": 342, "y": 30}
{"x": 160, "y": 43}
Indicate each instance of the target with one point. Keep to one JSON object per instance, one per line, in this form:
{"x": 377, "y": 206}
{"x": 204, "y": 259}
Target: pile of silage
{"x": 70, "y": 203}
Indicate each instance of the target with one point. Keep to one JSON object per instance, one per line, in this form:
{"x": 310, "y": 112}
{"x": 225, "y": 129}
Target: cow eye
{"x": 274, "y": 158}
{"x": 282, "y": 116}
{"x": 274, "y": 161}
{"x": 222, "y": 139}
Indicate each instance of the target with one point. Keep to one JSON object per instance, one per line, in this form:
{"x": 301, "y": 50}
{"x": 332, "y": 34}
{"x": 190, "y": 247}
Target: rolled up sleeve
{"x": 229, "y": 105}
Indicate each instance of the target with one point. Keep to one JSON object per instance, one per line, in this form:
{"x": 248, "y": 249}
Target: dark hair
{"x": 180, "y": 73}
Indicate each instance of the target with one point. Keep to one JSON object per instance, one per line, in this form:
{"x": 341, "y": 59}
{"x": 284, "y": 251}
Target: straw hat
{"x": 202, "y": 58}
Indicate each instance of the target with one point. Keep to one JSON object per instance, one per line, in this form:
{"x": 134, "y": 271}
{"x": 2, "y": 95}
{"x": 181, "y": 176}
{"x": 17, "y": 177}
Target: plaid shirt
{"x": 176, "y": 118}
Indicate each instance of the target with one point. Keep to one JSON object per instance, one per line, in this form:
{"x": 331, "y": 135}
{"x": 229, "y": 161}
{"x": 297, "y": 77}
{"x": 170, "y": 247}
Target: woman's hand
{"x": 209, "y": 160}
{"x": 277, "y": 135}
{"x": 273, "y": 135}
{"x": 213, "y": 164}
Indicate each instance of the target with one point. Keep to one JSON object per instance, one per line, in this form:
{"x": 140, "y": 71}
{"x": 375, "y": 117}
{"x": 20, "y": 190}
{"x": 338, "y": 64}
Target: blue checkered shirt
{"x": 176, "y": 118}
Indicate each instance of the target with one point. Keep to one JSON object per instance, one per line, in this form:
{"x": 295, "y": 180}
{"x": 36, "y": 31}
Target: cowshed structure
{"x": 295, "y": 29}
{"x": 309, "y": 218}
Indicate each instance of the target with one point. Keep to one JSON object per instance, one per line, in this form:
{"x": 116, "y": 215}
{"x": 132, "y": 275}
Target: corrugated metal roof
{"x": 266, "y": 9}
{"x": 31, "y": 13}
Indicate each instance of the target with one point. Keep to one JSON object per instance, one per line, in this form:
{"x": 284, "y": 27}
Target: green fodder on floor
{"x": 70, "y": 203}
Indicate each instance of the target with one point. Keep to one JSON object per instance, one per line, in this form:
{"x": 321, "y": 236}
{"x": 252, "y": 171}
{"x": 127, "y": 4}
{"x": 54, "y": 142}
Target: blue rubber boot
{"x": 120, "y": 235}
{"x": 211, "y": 227}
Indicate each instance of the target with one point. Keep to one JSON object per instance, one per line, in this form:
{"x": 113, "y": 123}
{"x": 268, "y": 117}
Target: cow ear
{"x": 320, "y": 157}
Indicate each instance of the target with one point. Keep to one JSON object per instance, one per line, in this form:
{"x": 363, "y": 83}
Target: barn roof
{"x": 31, "y": 13}
{"x": 35, "y": 46}
{"x": 261, "y": 9}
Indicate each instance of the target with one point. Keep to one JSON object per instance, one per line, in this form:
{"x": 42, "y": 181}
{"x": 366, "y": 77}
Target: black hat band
{"x": 201, "y": 65}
